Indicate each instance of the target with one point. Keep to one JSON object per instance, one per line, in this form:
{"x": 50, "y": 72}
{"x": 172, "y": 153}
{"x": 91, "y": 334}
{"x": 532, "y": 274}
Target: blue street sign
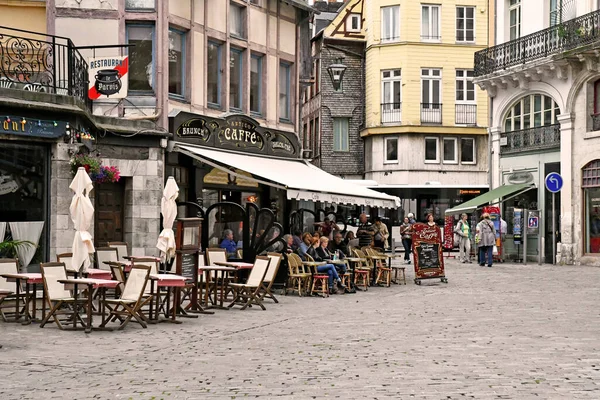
{"x": 554, "y": 182}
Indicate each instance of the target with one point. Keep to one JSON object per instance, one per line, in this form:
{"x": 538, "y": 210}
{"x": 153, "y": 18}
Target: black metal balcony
{"x": 42, "y": 63}
{"x": 431, "y": 113}
{"x": 568, "y": 35}
{"x": 391, "y": 113}
{"x": 532, "y": 139}
{"x": 465, "y": 114}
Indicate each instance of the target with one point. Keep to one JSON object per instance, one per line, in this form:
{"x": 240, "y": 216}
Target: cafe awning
{"x": 500, "y": 194}
{"x": 301, "y": 180}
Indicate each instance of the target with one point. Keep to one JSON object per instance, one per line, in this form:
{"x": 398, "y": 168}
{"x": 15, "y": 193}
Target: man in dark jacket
{"x": 337, "y": 244}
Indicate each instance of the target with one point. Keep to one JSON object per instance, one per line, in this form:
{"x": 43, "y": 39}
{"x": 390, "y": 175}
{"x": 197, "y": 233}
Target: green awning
{"x": 502, "y": 192}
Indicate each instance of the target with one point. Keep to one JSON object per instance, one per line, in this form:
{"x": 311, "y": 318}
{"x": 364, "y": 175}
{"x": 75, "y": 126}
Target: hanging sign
{"x": 108, "y": 77}
{"x": 427, "y": 253}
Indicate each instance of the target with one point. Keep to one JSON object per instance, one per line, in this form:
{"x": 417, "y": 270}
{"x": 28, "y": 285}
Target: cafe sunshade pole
{"x": 168, "y": 209}
{"x": 82, "y": 213}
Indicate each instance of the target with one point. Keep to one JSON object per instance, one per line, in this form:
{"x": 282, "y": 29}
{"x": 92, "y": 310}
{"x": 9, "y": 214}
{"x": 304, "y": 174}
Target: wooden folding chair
{"x": 8, "y": 266}
{"x": 122, "y": 250}
{"x": 58, "y": 297}
{"x": 67, "y": 259}
{"x": 105, "y": 255}
{"x": 129, "y": 304}
{"x": 248, "y": 293}
{"x": 274, "y": 264}
{"x": 118, "y": 275}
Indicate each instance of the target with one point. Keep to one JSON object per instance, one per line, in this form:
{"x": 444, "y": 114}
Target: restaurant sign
{"x": 20, "y": 126}
{"x": 235, "y": 132}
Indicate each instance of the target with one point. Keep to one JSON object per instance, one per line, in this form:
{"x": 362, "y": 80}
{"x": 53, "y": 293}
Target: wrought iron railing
{"x": 465, "y": 114}
{"x": 538, "y": 138}
{"x": 391, "y": 113}
{"x": 431, "y": 113}
{"x": 42, "y": 63}
{"x": 558, "y": 38}
{"x": 595, "y": 122}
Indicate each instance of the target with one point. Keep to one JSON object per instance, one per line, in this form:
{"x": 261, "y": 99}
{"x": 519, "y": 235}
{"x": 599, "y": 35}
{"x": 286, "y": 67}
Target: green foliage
{"x": 8, "y": 248}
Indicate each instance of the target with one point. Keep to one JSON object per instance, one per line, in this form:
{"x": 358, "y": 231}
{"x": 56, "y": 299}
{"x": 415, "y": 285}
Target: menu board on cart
{"x": 187, "y": 241}
{"x": 189, "y": 264}
{"x": 427, "y": 253}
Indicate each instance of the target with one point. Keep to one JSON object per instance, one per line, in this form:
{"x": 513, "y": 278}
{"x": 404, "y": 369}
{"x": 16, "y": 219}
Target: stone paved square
{"x": 507, "y": 332}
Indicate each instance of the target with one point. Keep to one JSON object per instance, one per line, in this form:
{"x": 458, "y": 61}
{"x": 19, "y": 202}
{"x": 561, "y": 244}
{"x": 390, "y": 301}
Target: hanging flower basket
{"x": 93, "y": 166}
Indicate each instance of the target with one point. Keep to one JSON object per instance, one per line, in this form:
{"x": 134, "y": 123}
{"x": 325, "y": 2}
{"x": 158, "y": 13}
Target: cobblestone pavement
{"x": 507, "y": 332}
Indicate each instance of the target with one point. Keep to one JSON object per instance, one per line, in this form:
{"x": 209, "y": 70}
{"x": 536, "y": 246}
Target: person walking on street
{"x": 406, "y": 230}
{"x": 463, "y": 230}
{"x": 485, "y": 237}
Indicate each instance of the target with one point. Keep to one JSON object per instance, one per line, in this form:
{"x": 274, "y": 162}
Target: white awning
{"x": 303, "y": 181}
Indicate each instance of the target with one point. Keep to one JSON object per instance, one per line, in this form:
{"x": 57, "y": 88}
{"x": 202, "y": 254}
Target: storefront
{"x": 591, "y": 197}
{"x": 225, "y": 164}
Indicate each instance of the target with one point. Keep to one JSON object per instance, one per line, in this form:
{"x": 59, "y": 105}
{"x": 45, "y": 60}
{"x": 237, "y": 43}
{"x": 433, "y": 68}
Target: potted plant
{"x": 8, "y": 248}
{"x": 93, "y": 166}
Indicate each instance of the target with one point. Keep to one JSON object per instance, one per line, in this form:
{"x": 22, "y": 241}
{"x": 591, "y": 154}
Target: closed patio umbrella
{"x": 168, "y": 209}
{"x": 82, "y": 212}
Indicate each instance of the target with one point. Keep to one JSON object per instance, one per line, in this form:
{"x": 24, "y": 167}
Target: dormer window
{"x": 353, "y": 23}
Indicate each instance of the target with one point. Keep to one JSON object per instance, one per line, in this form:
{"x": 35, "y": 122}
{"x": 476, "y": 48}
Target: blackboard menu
{"x": 427, "y": 252}
{"x": 189, "y": 266}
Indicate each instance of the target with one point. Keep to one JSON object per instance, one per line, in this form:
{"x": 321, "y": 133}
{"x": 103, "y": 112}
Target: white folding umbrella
{"x": 168, "y": 209}
{"x": 82, "y": 213}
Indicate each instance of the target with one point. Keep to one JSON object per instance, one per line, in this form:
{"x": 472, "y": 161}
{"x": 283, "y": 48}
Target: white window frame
{"x": 390, "y": 107}
{"x": 341, "y": 140}
{"x": 516, "y": 7}
{"x": 350, "y": 19}
{"x": 465, "y": 30}
{"x": 466, "y": 79}
{"x": 385, "y": 147}
{"x": 428, "y": 36}
{"x": 474, "y": 152}
{"x": 443, "y": 152}
{"x": 437, "y": 150}
{"x": 396, "y": 32}
{"x": 428, "y": 74}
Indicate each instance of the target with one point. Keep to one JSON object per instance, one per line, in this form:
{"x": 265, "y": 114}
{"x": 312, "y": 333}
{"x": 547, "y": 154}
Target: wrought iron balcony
{"x": 532, "y": 139}
{"x": 465, "y": 114}
{"x": 42, "y": 63}
{"x": 566, "y": 36}
{"x": 431, "y": 113}
{"x": 391, "y": 113}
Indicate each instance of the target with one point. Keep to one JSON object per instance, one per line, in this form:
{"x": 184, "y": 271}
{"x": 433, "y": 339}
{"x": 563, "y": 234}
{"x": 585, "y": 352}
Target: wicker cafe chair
{"x": 8, "y": 266}
{"x": 129, "y": 305}
{"x": 58, "y": 297}
{"x": 384, "y": 272}
{"x": 105, "y": 255}
{"x": 274, "y": 264}
{"x": 362, "y": 271}
{"x": 122, "y": 250}
{"x": 298, "y": 277}
{"x": 248, "y": 293}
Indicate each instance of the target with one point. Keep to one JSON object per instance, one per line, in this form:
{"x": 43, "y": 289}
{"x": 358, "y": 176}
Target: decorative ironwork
{"x": 391, "y": 113}
{"x": 595, "y": 122}
{"x": 566, "y": 36}
{"x": 590, "y": 175}
{"x": 532, "y": 139}
{"x": 431, "y": 113}
{"x": 42, "y": 63}
{"x": 465, "y": 114}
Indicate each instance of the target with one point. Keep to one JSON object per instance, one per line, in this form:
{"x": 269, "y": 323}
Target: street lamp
{"x": 336, "y": 73}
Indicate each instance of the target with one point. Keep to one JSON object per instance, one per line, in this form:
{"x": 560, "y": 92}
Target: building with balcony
{"x": 425, "y": 120}
{"x": 543, "y": 82}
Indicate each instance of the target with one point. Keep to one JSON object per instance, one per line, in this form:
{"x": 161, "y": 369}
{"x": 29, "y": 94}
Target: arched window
{"x": 590, "y": 182}
{"x": 530, "y": 112}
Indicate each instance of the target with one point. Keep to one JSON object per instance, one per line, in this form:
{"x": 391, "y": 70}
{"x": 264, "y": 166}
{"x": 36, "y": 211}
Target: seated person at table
{"x": 304, "y": 246}
{"x": 338, "y": 244}
{"x": 289, "y": 241}
{"x": 325, "y": 254}
{"x": 228, "y": 243}
{"x": 329, "y": 269}
{"x": 297, "y": 240}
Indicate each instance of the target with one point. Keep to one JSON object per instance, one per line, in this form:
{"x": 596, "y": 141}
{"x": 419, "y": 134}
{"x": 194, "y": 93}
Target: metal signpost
{"x": 554, "y": 182}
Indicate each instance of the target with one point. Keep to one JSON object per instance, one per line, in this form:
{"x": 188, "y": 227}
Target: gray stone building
{"x": 332, "y": 112}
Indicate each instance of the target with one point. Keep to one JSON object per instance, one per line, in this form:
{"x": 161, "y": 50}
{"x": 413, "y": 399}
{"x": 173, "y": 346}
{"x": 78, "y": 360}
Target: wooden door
{"x": 109, "y": 214}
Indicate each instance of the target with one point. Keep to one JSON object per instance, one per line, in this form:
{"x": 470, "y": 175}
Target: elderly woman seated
{"x": 228, "y": 243}
{"x": 329, "y": 269}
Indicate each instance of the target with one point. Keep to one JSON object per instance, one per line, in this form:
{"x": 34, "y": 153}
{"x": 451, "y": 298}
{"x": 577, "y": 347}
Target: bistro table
{"x": 220, "y": 275}
{"x": 30, "y": 279}
{"x": 238, "y": 265}
{"x": 174, "y": 283}
{"x": 101, "y": 285}
{"x": 95, "y": 273}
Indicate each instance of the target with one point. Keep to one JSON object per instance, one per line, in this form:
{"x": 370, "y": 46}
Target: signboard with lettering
{"x": 427, "y": 253}
{"x": 108, "y": 77}
{"x": 235, "y": 132}
{"x": 517, "y": 226}
{"x": 20, "y": 126}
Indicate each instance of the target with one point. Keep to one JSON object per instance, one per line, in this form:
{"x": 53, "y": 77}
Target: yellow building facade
{"x": 425, "y": 120}
{"x": 28, "y": 15}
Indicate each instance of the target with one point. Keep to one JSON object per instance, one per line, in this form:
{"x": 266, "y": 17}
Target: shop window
{"x": 214, "y": 74}
{"x": 591, "y": 187}
{"x": 391, "y": 150}
{"x": 176, "y": 63}
{"x": 141, "y": 58}
{"x": 431, "y": 150}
